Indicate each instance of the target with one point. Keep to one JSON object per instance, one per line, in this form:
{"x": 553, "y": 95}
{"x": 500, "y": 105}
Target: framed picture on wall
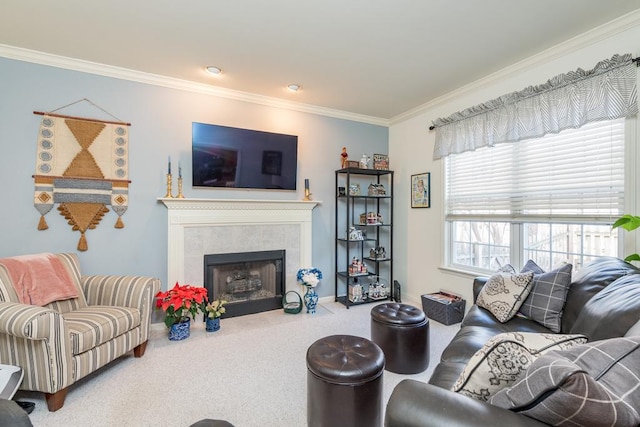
{"x": 421, "y": 190}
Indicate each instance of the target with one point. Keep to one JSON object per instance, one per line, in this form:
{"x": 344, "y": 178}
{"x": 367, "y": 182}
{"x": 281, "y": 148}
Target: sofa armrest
{"x": 417, "y": 404}
{"x": 26, "y": 321}
{"x": 478, "y": 284}
{"x": 36, "y": 339}
{"x": 123, "y": 291}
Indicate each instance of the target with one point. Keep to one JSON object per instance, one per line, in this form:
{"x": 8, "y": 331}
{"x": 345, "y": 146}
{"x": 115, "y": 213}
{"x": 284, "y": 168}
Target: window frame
{"x": 626, "y": 241}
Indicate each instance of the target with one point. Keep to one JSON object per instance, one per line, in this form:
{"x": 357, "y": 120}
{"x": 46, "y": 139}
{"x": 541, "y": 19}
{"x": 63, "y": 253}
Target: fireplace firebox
{"x": 250, "y": 282}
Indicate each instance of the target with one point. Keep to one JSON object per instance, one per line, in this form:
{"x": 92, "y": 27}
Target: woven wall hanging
{"x": 83, "y": 166}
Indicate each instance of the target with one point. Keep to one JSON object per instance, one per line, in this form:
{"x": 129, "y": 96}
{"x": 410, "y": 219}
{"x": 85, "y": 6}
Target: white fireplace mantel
{"x": 251, "y": 215}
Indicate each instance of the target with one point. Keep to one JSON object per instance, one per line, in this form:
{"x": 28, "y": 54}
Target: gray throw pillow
{"x": 594, "y": 384}
{"x": 504, "y": 293}
{"x": 504, "y": 358}
{"x": 548, "y": 295}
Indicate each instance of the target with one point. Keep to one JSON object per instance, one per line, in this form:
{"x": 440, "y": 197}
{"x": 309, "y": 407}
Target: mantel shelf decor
{"x": 82, "y": 165}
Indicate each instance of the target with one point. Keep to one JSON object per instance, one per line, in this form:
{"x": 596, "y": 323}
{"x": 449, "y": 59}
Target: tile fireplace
{"x": 250, "y": 282}
{"x": 201, "y": 227}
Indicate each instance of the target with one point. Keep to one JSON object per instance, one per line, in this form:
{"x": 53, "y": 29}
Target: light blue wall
{"x": 161, "y": 126}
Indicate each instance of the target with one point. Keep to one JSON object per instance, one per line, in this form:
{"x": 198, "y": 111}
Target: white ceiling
{"x": 377, "y": 58}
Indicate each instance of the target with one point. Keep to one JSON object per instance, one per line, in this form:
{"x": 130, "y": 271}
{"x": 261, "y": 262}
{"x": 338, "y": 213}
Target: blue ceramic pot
{"x": 180, "y": 331}
{"x": 212, "y": 325}
{"x": 311, "y": 300}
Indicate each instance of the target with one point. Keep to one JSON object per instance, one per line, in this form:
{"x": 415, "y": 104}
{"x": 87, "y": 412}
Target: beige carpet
{"x": 252, "y": 372}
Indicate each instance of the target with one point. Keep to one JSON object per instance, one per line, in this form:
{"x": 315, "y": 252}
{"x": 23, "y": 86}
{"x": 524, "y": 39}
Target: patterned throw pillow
{"x": 594, "y": 384}
{"x": 504, "y": 293}
{"x": 501, "y": 361}
{"x": 548, "y": 295}
{"x": 507, "y": 268}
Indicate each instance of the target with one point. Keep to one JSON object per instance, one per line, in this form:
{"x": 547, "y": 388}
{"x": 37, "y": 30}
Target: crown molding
{"x": 43, "y": 58}
{"x": 588, "y": 38}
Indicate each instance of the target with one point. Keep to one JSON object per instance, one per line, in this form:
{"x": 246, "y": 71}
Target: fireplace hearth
{"x": 250, "y": 282}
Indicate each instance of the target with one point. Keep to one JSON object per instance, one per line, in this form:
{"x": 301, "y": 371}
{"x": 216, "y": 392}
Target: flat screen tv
{"x": 230, "y": 157}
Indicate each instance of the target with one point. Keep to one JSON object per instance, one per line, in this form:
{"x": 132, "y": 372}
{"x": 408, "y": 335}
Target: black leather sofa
{"x": 11, "y": 414}
{"x": 590, "y": 309}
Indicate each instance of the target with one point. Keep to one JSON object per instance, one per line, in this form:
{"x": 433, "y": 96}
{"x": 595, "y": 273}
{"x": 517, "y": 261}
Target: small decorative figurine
{"x": 364, "y": 161}
{"x": 344, "y": 157}
{"x": 357, "y": 267}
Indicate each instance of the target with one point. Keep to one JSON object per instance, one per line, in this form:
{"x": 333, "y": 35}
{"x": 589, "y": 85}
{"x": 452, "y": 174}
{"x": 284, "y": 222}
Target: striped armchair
{"x": 64, "y": 341}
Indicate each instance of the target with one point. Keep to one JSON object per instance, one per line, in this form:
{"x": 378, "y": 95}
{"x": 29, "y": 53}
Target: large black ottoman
{"x": 344, "y": 382}
{"x": 402, "y": 331}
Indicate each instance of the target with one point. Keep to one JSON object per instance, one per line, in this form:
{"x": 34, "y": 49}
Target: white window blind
{"x": 577, "y": 174}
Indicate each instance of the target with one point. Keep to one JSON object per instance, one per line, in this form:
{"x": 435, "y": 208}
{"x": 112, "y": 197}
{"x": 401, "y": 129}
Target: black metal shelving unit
{"x": 348, "y": 208}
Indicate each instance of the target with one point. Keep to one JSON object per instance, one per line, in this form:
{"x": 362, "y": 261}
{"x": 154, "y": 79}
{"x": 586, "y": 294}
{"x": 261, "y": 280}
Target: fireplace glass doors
{"x": 250, "y": 282}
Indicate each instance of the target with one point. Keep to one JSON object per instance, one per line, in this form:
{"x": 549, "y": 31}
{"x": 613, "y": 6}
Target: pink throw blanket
{"x": 39, "y": 279}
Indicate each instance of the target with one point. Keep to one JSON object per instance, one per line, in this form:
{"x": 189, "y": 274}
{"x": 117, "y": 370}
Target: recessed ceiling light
{"x": 293, "y": 87}
{"x": 213, "y": 70}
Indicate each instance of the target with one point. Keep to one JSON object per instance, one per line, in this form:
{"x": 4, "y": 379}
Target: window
{"x": 551, "y": 199}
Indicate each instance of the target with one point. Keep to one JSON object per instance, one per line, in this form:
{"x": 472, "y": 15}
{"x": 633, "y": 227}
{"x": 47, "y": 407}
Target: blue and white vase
{"x": 180, "y": 330}
{"x": 311, "y": 300}
{"x": 212, "y": 325}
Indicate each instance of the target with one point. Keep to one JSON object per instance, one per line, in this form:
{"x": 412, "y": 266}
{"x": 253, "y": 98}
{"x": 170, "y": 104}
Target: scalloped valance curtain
{"x": 567, "y": 101}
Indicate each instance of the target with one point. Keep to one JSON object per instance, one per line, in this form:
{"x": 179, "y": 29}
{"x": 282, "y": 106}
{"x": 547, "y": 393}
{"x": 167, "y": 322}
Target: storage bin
{"x": 444, "y": 308}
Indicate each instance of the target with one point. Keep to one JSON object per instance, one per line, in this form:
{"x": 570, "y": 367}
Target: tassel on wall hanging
{"x": 83, "y": 166}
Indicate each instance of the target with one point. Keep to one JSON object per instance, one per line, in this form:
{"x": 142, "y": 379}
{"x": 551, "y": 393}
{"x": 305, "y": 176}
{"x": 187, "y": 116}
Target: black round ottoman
{"x": 402, "y": 331}
{"x": 344, "y": 382}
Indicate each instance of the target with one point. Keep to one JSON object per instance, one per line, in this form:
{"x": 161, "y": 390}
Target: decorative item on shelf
{"x": 378, "y": 289}
{"x": 169, "y": 194}
{"x": 307, "y": 194}
{"x": 309, "y": 278}
{"x": 353, "y": 164}
{"x": 381, "y": 162}
{"x": 354, "y": 189}
{"x": 179, "y": 304}
{"x": 355, "y": 234}
{"x": 370, "y": 218}
{"x": 292, "y": 307}
{"x": 378, "y": 253}
{"x": 180, "y": 195}
{"x": 356, "y": 292}
{"x": 342, "y": 191}
{"x": 213, "y": 311}
{"x": 344, "y": 158}
{"x": 377, "y": 190}
{"x": 356, "y": 267}
{"x": 365, "y": 161}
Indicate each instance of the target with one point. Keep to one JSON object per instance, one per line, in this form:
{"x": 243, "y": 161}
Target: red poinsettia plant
{"x": 180, "y": 302}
